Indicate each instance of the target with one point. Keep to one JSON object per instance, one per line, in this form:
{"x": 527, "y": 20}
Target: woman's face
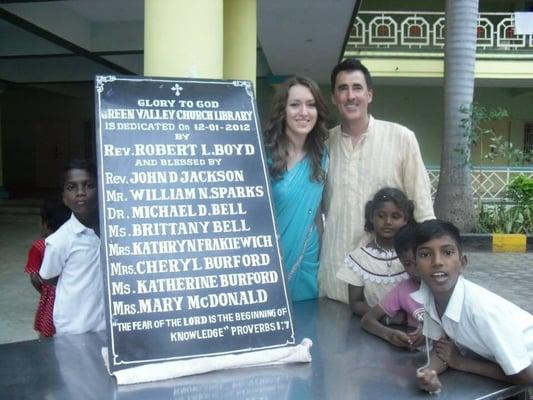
{"x": 301, "y": 112}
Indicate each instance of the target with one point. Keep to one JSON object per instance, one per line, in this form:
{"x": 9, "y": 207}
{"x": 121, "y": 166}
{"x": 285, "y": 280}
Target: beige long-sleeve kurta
{"x": 387, "y": 155}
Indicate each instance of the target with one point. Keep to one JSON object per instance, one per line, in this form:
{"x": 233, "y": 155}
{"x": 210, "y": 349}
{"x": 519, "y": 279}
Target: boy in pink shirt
{"x": 398, "y": 304}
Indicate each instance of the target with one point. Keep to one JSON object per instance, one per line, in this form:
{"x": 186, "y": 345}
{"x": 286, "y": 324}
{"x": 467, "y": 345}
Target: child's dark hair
{"x": 404, "y": 240}
{"x": 436, "y": 228}
{"x": 384, "y": 195}
{"x": 78, "y": 163}
{"x": 54, "y": 214}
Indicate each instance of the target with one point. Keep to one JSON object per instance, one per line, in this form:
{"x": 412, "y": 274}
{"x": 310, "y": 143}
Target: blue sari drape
{"x": 296, "y": 201}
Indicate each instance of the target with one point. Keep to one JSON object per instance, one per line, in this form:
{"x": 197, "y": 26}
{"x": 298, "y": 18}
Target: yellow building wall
{"x": 421, "y": 109}
{"x": 434, "y": 68}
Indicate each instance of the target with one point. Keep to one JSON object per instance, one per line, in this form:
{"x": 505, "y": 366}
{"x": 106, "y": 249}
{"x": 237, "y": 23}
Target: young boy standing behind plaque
{"x": 295, "y": 141}
{"x": 73, "y": 255}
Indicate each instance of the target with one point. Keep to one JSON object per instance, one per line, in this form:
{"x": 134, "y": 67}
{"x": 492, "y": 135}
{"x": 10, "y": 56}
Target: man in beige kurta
{"x": 366, "y": 155}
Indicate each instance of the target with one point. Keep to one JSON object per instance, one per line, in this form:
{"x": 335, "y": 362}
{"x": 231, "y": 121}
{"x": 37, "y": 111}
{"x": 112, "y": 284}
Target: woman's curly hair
{"x": 276, "y": 140}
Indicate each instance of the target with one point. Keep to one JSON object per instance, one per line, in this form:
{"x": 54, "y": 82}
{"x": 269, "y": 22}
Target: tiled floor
{"x": 18, "y": 299}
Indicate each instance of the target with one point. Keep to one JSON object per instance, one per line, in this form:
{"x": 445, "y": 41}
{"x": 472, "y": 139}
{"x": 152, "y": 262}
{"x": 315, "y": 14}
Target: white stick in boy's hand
{"x": 427, "y": 379}
{"x": 420, "y": 318}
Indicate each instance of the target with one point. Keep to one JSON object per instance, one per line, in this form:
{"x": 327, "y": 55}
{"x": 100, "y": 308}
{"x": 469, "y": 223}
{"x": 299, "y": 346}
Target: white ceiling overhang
{"x": 71, "y": 41}
{"x": 304, "y": 36}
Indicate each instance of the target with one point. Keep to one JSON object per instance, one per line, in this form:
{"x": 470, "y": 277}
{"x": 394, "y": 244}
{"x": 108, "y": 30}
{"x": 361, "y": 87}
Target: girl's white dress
{"x": 377, "y": 270}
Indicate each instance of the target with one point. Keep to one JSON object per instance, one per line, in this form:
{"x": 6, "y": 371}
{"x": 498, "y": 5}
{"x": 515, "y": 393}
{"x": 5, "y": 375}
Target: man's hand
{"x": 428, "y": 380}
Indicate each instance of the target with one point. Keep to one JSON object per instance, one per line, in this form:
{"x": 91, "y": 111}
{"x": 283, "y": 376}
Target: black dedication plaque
{"x": 190, "y": 254}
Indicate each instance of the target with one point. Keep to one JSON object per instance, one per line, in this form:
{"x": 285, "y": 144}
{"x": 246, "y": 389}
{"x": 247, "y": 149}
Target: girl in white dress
{"x": 372, "y": 269}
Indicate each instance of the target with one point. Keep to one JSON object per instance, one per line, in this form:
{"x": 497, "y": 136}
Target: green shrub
{"x": 505, "y": 219}
{"x": 520, "y": 190}
{"x": 516, "y": 218}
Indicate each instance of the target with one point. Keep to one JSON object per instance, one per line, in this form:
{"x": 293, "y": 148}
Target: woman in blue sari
{"x": 295, "y": 141}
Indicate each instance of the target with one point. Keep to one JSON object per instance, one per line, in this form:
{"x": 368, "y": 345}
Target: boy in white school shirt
{"x": 459, "y": 312}
{"x": 73, "y": 254}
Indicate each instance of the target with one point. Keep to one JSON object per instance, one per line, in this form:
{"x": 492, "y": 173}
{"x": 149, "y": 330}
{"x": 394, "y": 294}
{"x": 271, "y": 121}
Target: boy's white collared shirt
{"x": 483, "y": 322}
{"x": 73, "y": 254}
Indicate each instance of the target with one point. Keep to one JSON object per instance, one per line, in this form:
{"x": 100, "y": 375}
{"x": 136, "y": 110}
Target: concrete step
{"x": 17, "y": 207}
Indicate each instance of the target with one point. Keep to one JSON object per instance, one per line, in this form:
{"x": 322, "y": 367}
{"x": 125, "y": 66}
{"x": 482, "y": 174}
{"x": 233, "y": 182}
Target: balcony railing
{"x": 488, "y": 183}
{"x": 424, "y": 33}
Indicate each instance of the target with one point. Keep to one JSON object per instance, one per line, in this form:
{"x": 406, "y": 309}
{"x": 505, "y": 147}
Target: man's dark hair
{"x": 404, "y": 240}
{"x": 437, "y": 228}
{"x": 78, "y": 163}
{"x": 350, "y": 64}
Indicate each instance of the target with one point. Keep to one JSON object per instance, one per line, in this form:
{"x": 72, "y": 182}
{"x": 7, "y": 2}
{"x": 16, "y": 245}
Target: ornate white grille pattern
{"x": 383, "y": 31}
{"x": 415, "y": 30}
{"x": 489, "y": 184}
{"x": 357, "y": 34}
{"x": 506, "y": 35}
{"x": 412, "y": 30}
{"x": 485, "y": 33}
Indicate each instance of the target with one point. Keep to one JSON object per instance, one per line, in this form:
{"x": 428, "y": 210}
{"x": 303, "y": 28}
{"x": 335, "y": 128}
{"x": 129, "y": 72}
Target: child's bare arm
{"x": 51, "y": 281}
{"x": 357, "y": 300}
{"x": 399, "y": 319}
{"x": 448, "y": 352}
{"x": 371, "y": 323}
{"x": 524, "y": 377}
{"x": 36, "y": 281}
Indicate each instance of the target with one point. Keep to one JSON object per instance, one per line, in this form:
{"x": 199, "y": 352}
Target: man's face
{"x": 439, "y": 264}
{"x": 351, "y": 95}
